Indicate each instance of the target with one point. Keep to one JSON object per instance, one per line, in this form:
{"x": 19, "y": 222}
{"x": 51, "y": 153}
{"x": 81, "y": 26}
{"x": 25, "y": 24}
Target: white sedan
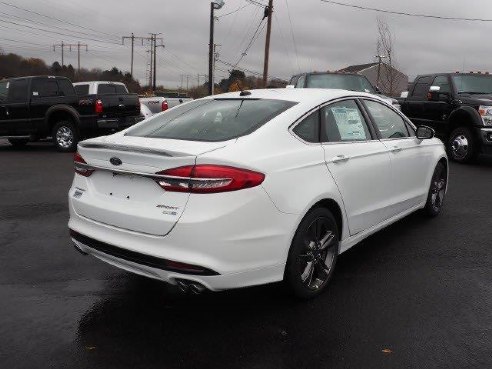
{"x": 252, "y": 187}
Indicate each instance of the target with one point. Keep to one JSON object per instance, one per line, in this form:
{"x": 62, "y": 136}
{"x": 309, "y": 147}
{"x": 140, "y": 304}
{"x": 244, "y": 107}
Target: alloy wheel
{"x": 64, "y": 137}
{"x": 438, "y": 189}
{"x": 317, "y": 258}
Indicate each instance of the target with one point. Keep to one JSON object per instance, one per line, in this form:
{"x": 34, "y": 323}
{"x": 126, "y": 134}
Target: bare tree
{"x": 388, "y": 76}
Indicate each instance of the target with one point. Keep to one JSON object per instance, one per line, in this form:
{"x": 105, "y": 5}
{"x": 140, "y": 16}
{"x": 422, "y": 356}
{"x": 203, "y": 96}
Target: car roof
{"x": 299, "y": 95}
{"x": 109, "y": 82}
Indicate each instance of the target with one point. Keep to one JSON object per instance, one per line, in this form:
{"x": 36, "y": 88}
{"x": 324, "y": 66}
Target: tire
{"x": 311, "y": 262}
{"x": 437, "y": 191}
{"x": 65, "y": 136}
{"x": 462, "y": 145}
{"x": 18, "y": 142}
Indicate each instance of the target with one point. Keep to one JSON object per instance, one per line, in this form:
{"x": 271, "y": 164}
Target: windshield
{"x": 473, "y": 84}
{"x": 340, "y": 81}
{"x": 211, "y": 120}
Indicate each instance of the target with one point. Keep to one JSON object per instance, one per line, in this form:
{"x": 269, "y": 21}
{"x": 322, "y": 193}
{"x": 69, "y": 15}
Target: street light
{"x": 214, "y": 5}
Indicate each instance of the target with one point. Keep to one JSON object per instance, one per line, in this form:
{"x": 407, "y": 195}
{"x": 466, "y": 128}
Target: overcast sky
{"x": 327, "y": 37}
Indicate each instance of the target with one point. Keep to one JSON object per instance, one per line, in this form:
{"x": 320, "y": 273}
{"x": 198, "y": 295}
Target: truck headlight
{"x": 486, "y": 114}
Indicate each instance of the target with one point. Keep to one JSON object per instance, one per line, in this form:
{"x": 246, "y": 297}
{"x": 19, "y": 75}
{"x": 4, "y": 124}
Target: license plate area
{"x": 131, "y": 187}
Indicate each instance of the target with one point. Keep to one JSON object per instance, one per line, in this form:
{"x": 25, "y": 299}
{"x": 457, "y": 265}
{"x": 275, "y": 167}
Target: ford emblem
{"x": 115, "y": 161}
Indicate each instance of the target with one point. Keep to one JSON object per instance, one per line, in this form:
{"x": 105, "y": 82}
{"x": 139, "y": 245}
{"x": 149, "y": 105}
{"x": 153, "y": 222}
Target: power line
{"x": 234, "y": 11}
{"x": 405, "y": 13}
{"x": 293, "y": 37}
{"x": 57, "y": 19}
{"x": 253, "y": 39}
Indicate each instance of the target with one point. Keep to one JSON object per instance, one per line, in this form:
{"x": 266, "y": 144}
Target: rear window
{"x": 212, "y": 120}
{"x": 65, "y": 87}
{"x": 109, "y": 88}
{"x": 82, "y": 89}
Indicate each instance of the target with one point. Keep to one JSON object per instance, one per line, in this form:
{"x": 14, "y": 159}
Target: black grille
{"x": 139, "y": 258}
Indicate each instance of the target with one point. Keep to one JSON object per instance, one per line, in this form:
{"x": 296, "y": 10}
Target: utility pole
{"x": 268, "y": 13}
{"x": 78, "y": 53}
{"x": 133, "y": 38}
{"x": 62, "y": 47}
{"x": 153, "y": 43}
{"x": 215, "y": 4}
{"x": 379, "y": 57}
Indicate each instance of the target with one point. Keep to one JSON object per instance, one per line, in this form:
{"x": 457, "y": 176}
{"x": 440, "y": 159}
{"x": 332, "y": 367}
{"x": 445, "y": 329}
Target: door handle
{"x": 395, "y": 149}
{"x": 340, "y": 159}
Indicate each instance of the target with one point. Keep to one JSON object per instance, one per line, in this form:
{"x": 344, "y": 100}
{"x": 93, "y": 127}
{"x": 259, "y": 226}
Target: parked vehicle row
{"x": 33, "y": 108}
{"x": 252, "y": 187}
{"x": 458, "y": 106}
{"x": 339, "y": 80}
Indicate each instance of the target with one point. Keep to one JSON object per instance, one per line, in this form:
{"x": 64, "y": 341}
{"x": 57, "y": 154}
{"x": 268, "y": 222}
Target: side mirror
{"x": 435, "y": 93}
{"x": 377, "y": 89}
{"x": 425, "y": 133}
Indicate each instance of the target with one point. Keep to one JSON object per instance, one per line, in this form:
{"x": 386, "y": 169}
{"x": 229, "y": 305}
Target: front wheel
{"x": 313, "y": 254}
{"x": 437, "y": 191}
{"x": 461, "y": 145}
{"x": 65, "y": 136}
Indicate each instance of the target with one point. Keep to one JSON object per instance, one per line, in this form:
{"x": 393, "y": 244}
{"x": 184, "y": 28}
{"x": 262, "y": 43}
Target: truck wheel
{"x": 461, "y": 145}
{"x": 65, "y": 136}
{"x": 18, "y": 142}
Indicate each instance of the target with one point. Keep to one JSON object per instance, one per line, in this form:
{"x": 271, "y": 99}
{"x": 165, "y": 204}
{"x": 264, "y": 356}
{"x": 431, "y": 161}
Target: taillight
{"x": 98, "y": 107}
{"x": 206, "y": 178}
{"x": 80, "y": 166}
{"x": 164, "y": 106}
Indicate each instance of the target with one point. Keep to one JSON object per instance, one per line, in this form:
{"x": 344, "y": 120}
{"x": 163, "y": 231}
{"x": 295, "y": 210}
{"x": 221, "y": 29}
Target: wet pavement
{"x": 416, "y": 295}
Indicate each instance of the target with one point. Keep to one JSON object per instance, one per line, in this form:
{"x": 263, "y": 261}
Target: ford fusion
{"x": 252, "y": 187}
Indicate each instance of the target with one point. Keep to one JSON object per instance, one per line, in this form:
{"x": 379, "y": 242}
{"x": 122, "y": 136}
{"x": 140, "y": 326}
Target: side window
{"x": 66, "y": 87}
{"x": 300, "y": 81}
{"x": 422, "y": 86}
{"x": 44, "y": 87}
{"x": 442, "y": 81}
{"x": 82, "y": 90}
{"x": 389, "y": 123}
{"x": 104, "y": 89}
{"x": 308, "y": 129}
{"x": 18, "y": 91}
{"x": 343, "y": 121}
{"x": 4, "y": 90}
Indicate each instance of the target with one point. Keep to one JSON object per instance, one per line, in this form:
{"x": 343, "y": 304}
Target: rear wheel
{"x": 313, "y": 254}
{"x": 65, "y": 136}
{"x": 437, "y": 191}
{"x": 18, "y": 142}
{"x": 461, "y": 145}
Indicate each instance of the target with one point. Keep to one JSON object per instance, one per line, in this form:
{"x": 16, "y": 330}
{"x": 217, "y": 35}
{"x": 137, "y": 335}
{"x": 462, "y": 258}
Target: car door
{"x": 414, "y": 106}
{"x": 4, "y": 123}
{"x": 358, "y": 162}
{"x": 17, "y": 108}
{"x": 438, "y": 111}
{"x": 410, "y": 159}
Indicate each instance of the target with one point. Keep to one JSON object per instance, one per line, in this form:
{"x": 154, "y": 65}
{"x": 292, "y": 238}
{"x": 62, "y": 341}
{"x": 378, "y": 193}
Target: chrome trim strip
{"x": 153, "y": 176}
{"x": 127, "y": 149}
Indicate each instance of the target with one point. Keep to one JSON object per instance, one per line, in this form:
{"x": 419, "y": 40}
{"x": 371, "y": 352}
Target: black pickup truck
{"x": 458, "y": 106}
{"x": 33, "y": 108}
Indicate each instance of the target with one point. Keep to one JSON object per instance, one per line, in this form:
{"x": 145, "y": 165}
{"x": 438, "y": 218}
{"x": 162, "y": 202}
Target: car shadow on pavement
{"x": 149, "y": 323}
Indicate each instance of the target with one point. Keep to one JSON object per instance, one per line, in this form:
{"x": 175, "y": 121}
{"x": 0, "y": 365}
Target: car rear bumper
{"x": 231, "y": 244}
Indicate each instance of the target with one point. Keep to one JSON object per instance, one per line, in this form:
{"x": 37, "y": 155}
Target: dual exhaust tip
{"x": 190, "y": 286}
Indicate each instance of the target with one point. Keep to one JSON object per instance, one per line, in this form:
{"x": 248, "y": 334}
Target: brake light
{"x": 98, "y": 107}
{"x": 80, "y": 166}
{"x": 206, "y": 178}
{"x": 164, "y": 106}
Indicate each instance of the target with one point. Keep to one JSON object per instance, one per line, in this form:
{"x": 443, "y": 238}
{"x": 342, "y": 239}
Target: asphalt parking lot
{"x": 416, "y": 295}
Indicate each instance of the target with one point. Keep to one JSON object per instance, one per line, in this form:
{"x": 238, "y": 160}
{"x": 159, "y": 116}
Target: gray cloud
{"x": 327, "y": 37}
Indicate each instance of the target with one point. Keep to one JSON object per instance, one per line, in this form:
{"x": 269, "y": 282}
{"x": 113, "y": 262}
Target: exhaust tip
{"x": 190, "y": 286}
